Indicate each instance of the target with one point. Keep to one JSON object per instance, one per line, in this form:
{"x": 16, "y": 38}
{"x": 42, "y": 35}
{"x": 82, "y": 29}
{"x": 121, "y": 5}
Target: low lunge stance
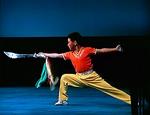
{"x": 85, "y": 75}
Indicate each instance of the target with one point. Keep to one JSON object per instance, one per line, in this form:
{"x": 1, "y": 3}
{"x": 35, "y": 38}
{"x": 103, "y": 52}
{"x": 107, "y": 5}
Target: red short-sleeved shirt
{"x": 82, "y": 61}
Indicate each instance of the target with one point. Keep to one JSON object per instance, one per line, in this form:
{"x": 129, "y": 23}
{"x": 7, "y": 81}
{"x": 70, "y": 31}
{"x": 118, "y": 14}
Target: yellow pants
{"x": 92, "y": 80}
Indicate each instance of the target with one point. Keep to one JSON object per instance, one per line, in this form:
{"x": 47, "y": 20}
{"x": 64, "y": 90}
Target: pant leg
{"x": 68, "y": 80}
{"x": 95, "y": 81}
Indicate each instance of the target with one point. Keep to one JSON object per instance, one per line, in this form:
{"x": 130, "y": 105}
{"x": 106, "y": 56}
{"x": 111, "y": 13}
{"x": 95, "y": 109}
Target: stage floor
{"x": 82, "y": 101}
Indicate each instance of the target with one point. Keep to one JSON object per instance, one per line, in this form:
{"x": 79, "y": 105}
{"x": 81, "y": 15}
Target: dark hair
{"x": 75, "y": 36}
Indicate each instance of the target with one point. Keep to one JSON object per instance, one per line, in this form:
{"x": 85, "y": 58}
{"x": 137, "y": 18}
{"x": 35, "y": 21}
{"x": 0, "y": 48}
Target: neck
{"x": 77, "y": 48}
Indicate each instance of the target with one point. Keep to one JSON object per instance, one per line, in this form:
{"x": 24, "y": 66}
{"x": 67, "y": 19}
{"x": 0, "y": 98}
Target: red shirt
{"x": 82, "y": 61}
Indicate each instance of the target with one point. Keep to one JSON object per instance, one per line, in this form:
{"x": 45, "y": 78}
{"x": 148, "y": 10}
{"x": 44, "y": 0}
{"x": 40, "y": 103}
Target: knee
{"x": 64, "y": 77}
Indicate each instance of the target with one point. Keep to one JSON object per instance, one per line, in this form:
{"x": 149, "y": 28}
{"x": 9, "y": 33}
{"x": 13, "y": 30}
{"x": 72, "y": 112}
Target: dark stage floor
{"x": 82, "y": 101}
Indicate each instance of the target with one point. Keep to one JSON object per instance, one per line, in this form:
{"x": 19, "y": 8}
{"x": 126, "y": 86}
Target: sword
{"x": 17, "y": 55}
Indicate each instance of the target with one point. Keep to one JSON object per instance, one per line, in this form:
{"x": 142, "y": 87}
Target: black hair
{"x": 75, "y": 36}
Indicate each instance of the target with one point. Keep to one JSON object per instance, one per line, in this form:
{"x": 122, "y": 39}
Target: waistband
{"x": 86, "y": 72}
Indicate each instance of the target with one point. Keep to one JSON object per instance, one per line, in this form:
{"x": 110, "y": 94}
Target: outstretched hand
{"x": 40, "y": 55}
{"x": 119, "y": 48}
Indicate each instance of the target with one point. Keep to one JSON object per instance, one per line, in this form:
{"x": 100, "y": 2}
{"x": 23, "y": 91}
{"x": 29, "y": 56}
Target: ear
{"x": 75, "y": 42}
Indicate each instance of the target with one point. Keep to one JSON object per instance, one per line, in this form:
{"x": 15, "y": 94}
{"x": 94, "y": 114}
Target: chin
{"x": 70, "y": 49}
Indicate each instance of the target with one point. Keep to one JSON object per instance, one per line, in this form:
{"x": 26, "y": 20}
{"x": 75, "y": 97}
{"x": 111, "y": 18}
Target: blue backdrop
{"x": 50, "y": 18}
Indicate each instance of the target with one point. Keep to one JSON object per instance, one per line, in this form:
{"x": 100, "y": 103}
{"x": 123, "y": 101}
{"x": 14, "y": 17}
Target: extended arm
{"x": 51, "y": 55}
{"x": 107, "y": 50}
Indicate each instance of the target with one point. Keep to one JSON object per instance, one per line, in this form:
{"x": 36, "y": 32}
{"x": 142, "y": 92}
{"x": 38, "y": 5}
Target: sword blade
{"x": 11, "y": 55}
{"x": 16, "y": 55}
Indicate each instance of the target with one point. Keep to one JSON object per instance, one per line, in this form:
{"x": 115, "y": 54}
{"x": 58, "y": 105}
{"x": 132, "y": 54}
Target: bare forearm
{"x": 118, "y": 48}
{"x": 53, "y": 55}
{"x": 106, "y": 50}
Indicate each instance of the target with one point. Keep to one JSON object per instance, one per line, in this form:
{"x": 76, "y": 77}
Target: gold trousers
{"x": 92, "y": 80}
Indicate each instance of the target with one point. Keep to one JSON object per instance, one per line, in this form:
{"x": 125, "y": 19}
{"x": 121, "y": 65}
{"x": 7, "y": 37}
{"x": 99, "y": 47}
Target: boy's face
{"x": 71, "y": 44}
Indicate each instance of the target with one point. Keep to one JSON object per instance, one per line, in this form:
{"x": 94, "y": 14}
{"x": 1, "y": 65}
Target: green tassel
{"x": 43, "y": 77}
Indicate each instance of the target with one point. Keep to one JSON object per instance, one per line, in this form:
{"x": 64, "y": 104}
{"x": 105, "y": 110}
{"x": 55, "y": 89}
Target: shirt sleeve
{"x": 91, "y": 50}
{"x": 66, "y": 55}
